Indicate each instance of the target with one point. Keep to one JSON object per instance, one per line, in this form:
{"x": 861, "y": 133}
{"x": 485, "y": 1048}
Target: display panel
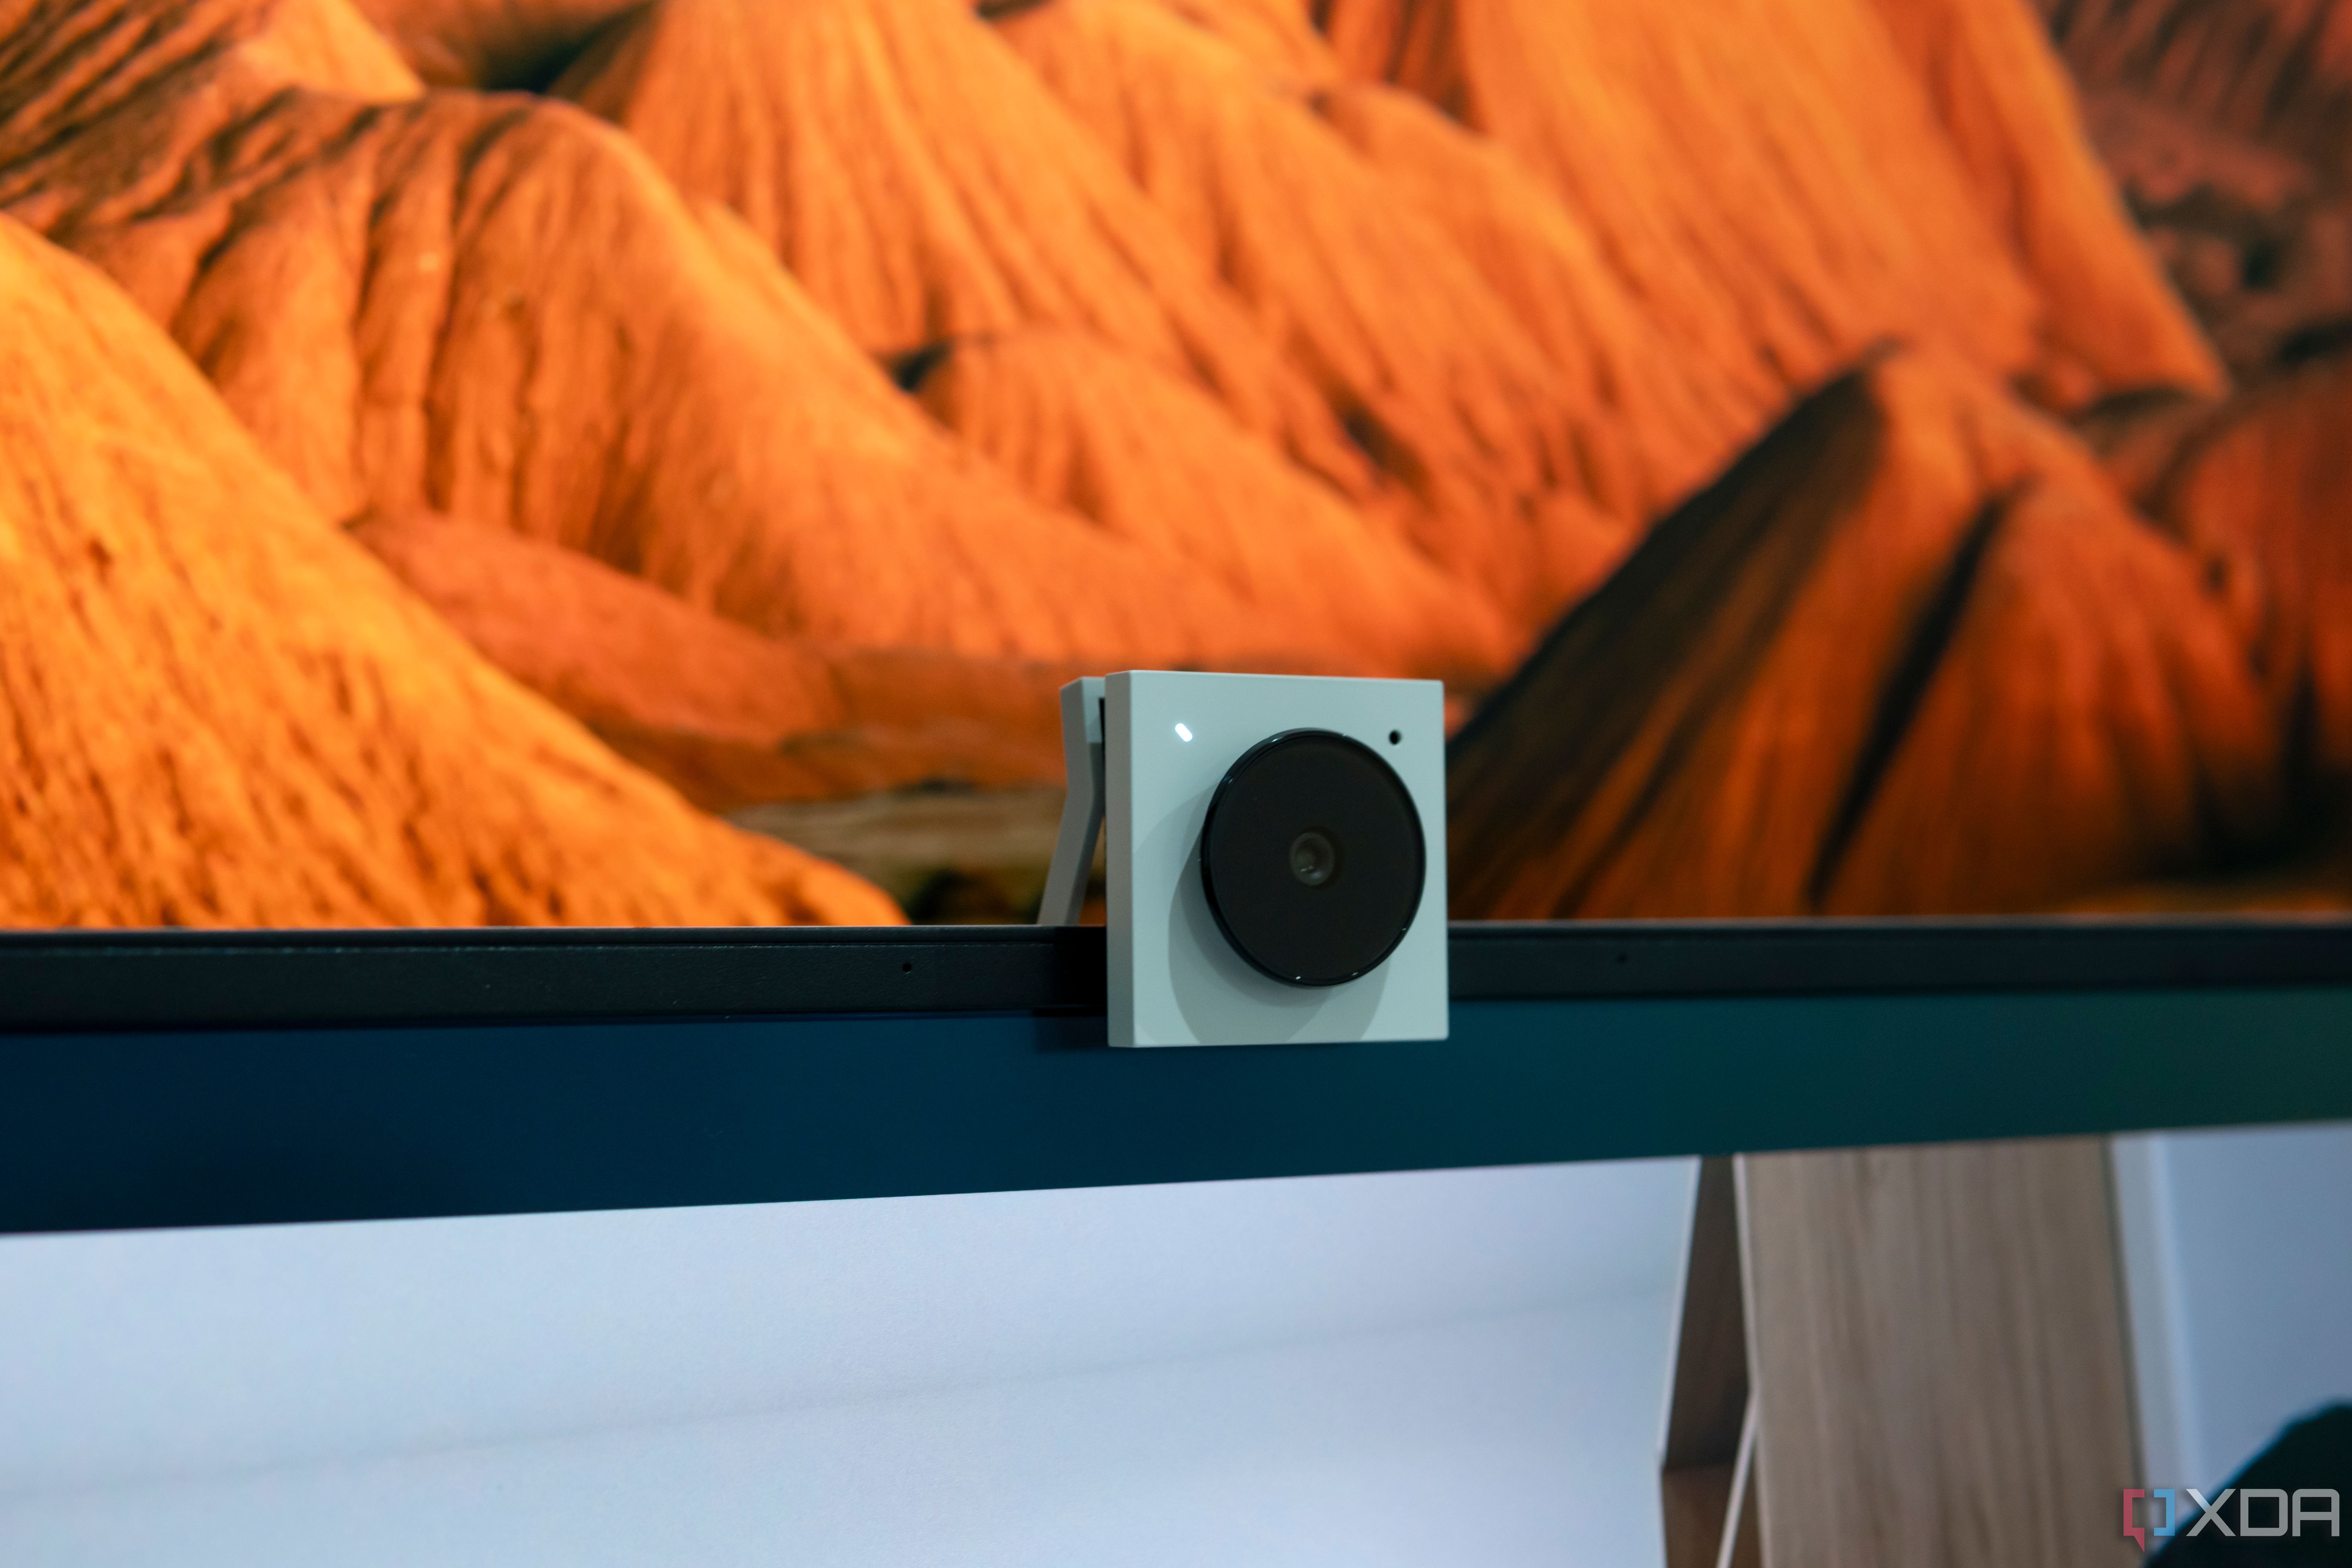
{"x": 588, "y": 462}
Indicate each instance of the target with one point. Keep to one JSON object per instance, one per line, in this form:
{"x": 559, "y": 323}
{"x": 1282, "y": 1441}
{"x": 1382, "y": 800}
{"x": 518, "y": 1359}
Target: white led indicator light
{"x": 1183, "y": 733}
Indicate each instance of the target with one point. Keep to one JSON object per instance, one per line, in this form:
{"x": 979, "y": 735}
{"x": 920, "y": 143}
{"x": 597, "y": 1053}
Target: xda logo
{"x": 2261, "y": 1510}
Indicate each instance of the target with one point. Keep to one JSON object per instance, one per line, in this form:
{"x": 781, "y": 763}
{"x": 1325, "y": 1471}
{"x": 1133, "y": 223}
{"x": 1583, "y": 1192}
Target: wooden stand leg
{"x": 1912, "y": 1356}
{"x": 1708, "y": 1432}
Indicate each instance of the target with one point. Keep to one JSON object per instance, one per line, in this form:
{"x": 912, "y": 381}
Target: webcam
{"x": 1274, "y": 855}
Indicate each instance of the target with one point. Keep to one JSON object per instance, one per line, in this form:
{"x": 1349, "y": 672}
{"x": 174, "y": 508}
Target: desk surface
{"x": 176, "y": 1079}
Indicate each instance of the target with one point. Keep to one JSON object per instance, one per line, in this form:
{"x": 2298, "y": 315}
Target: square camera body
{"x": 1274, "y": 855}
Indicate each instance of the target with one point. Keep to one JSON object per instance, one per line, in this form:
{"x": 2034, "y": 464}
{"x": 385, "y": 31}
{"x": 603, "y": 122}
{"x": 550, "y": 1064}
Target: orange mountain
{"x": 2276, "y": 70}
{"x": 727, "y": 716}
{"x": 1909, "y": 655}
{"x": 1278, "y": 36}
{"x": 490, "y": 43}
{"x": 499, "y": 310}
{"x": 2260, "y": 488}
{"x": 1149, "y": 457}
{"x": 223, "y": 713}
{"x": 2226, "y": 122}
{"x": 2008, "y": 111}
{"x": 1790, "y": 188}
{"x": 1674, "y": 414}
{"x": 797, "y": 393}
{"x": 1364, "y": 293}
{"x": 920, "y": 184}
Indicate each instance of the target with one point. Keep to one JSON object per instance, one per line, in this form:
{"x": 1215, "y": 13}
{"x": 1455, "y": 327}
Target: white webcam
{"x": 1276, "y": 855}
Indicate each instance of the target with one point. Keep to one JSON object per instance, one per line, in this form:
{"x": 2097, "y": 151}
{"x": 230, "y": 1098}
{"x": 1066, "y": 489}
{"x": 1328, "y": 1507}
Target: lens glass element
{"x": 1312, "y": 857}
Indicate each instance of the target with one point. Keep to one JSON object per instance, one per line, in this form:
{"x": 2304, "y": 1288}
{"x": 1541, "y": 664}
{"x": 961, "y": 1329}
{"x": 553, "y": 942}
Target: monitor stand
{"x": 1918, "y": 1353}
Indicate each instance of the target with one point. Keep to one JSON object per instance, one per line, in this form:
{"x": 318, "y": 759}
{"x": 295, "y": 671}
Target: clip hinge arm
{"x": 1082, "y": 808}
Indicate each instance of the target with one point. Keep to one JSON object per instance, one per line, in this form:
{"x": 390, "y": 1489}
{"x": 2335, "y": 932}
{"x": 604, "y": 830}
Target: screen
{"x": 601, "y": 463}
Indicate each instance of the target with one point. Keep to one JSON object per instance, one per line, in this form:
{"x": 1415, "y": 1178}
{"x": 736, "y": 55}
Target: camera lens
{"x": 1312, "y": 857}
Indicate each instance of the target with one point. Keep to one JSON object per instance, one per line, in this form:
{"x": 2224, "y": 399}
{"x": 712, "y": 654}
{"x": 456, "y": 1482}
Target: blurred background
{"x": 566, "y": 461}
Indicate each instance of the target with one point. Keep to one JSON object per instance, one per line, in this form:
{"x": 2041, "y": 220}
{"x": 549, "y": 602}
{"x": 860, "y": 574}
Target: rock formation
{"x": 2110, "y": 322}
{"x": 1277, "y": 36}
{"x": 490, "y": 43}
{"x": 728, "y": 717}
{"x": 1790, "y": 192}
{"x": 796, "y": 394}
{"x": 220, "y": 711}
{"x": 1364, "y": 293}
{"x": 2225, "y": 122}
{"x": 920, "y": 184}
{"x": 2264, "y": 70}
{"x": 1674, "y": 412}
{"x": 1150, "y": 458}
{"x": 1911, "y": 654}
{"x": 2260, "y": 488}
{"x": 498, "y": 310}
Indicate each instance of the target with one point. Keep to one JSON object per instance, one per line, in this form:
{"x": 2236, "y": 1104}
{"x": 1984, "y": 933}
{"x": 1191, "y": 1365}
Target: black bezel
{"x": 68, "y": 981}
{"x": 156, "y": 1077}
{"x": 1208, "y": 882}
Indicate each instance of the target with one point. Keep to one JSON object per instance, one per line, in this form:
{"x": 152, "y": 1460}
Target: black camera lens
{"x": 1312, "y": 857}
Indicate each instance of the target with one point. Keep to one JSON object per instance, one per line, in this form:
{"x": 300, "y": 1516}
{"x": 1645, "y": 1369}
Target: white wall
{"x": 2238, "y": 1267}
{"x": 1422, "y": 1368}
